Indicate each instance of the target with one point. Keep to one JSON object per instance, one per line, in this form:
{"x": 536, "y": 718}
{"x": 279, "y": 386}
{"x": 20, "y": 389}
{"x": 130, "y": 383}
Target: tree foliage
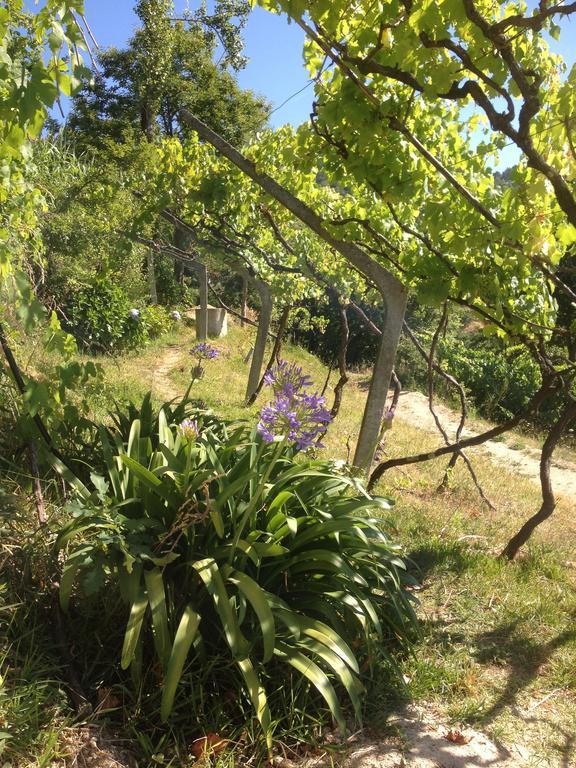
{"x": 167, "y": 65}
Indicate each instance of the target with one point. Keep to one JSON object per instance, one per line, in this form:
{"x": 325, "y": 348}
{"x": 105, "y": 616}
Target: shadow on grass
{"x": 511, "y": 645}
{"x": 566, "y": 748}
{"x": 441, "y": 556}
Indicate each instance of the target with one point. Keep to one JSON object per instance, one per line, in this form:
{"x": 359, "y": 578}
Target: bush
{"x": 169, "y": 289}
{"x": 501, "y": 380}
{"x": 233, "y": 556}
{"x": 324, "y": 341}
{"x": 98, "y": 317}
{"x": 157, "y": 320}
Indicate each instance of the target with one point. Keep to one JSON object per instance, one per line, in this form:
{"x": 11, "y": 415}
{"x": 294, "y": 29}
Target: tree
{"x": 424, "y": 200}
{"x": 40, "y": 60}
{"x": 168, "y": 64}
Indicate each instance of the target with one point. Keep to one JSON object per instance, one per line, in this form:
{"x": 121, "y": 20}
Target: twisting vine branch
{"x": 550, "y": 384}
{"x": 433, "y": 366}
{"x": 562, "y": 424}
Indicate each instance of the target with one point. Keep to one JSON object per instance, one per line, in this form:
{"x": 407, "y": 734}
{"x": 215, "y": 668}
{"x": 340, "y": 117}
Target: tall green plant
{"x": 225, "y": 547}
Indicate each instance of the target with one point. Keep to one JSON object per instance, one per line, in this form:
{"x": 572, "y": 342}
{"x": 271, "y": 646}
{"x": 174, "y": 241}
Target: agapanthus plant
{"x": 295, "y": 415}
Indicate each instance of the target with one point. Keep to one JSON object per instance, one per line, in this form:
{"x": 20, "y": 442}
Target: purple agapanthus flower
{"x": 189, "y": 429}
{"x": 299, "y": 417}
{"x": 204, "y": 351}
{"x": 286, "y": 378}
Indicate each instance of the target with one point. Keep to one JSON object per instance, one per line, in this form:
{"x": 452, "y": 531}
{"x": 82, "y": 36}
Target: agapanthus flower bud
{"x": 189, "y": 429}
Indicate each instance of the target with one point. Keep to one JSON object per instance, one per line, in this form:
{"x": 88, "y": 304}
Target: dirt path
{"x": 413, "y": 407}
{"x": 161, "y": 382}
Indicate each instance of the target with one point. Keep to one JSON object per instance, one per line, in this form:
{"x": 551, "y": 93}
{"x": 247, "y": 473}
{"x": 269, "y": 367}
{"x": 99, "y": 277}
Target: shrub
{"x": 169, "y": 289}
{"x": 102, "y": 319}
{"x": 316, "y": 326}
{"x": 157, "y": 320}
{"x": 501, "y": 380}
{"x": 231, "y": 552}
{"x": 98, "y": 318}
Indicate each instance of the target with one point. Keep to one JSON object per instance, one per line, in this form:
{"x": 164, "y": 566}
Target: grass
{"x": 498, "y": 649}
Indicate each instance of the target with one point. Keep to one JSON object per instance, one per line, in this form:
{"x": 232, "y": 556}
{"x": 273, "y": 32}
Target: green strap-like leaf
{"x": 69, "y": 477}
{"x": 216, "y": 517}
{"x": 150, "y": 480}
{"x": 129, "y": 583}
{"x": 280, "y": 500}
{"x": 133, "y": 449}
{"x": 212, "y": 578}
{"x": 111, "y": 463}
{"x": 232, "y": 489}
{"x": 185, "y": 634}
{"x": 317, "y": 677}
{"x": 165, "y": 434}
{"x": 258, "y": 699}
{"x": 352, "y": 684}
{"x": 324, "y": 634}
{"x": 157, "y": 599}
{"x": 134, "y": 629}
{"x": 141, "y": 472}
{"x": 257, "y": 599}
{"x": 73, "y": 565}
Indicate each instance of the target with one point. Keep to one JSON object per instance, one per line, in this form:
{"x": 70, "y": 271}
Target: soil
{"x": 418, "y": 739}
{"x": 413, "y": 407}
{"x": 92, "y": 747}
{"x": 162, "y": 383}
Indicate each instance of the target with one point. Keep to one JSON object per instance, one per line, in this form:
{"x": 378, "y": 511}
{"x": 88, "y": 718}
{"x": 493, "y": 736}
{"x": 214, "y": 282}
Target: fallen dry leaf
{"x": 107, "y": 699}
{"x": 457, "y": 737}
{"x": 211, "y": 744}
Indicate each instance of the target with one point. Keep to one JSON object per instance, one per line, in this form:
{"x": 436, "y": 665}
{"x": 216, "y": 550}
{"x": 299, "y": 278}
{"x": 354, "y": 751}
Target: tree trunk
{"x": 244, "y": 307}
{"x": 342, "y": 350}
{"x": 275, "y": 356}
{"x": 376, "y": 403}
{"x": 261, "y": 338}
{"x": 202, "y": 314}
{"x": 548, "y": 500}
{"x": 182, "y": 241}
